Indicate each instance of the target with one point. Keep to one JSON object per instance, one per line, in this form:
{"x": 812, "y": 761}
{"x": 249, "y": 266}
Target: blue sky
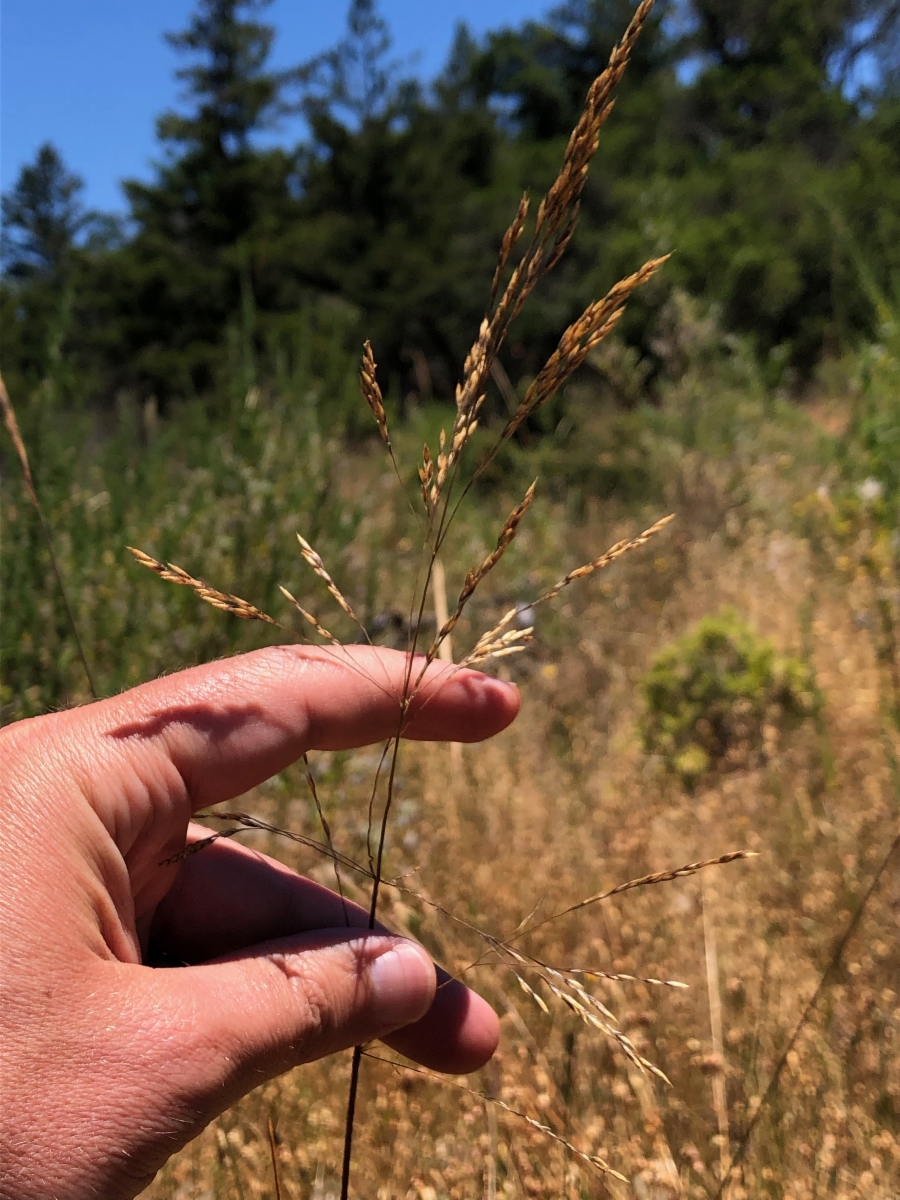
{"x": 91, "y": 75}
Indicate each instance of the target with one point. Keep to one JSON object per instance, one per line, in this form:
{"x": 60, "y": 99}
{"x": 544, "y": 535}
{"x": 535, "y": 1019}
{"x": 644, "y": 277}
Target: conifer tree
{"x": 782, "y": 71}
{"x": 389, "y": 184}
{"x": 42, "y": 217}
{"x": 205, "y": 219}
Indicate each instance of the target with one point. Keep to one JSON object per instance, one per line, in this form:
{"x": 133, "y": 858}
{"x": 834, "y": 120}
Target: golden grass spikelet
{"x": 575, "y": 996}
{"x": 598, "y": 973}
{"x": 372, "y": 392}
{"x": 426, "y": 476}
{"x": 495, "y": 634}
{"x": 555, "y": 208}
{"x": 649, "y": 880}
{"x": 223, "y": 600}
{"x": 620, "y": 977}
{"x": 315, "y": 561}
{"x": 605, "y": 559}
{"x": 511, "y": 642}
{"x": 512, "y": 235}
{"x": 307, "y": 616}
{"x": 465, "y": 425}
{"x": 530, "y": 992}
{"x": 582, "y": 336}
{"x": 476, "y": 574}
{"x": 593, "y": 1160}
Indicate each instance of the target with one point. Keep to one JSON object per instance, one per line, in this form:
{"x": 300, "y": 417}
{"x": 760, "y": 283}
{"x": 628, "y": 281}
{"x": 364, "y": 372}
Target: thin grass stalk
{"x": 491, "y": 1181}
{"x": 246, "y": 822}
{"x": 711, "y": 962}
{"x": 326, "y": 829}
{"x": 356, "y": 1061}
{"x": 232, "y": 1162}
{"x": 593, "y": 1160}
{"x": 273, "y": 1151}
{"x": 812, "y": 1004}
{"x": 445, "y": 654}
{"x": 12, "y": 426}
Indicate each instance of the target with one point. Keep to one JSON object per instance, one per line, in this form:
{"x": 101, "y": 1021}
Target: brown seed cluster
{"x": 372, "y": 392}
{"x": 476, "y": 574}
{"x": 555, "y": 224}
{"x": 583, "y": 336}
{"x": 227, "y": 603}
{"x": 314, "y": 559}
{"x": 606, "y": 559}
{"x": 308, "y": 616}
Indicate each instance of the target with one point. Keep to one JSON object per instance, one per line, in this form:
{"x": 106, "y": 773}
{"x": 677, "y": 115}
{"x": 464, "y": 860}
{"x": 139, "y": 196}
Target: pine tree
{"x": 42, "y": 216}
{"x": 210, "y": 213}
{"x": 389, "y": 204}
{"x": 781, "y": 70}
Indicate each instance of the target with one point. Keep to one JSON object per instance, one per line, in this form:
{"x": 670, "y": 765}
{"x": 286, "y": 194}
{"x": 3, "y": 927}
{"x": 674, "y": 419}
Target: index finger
{"x": 228, "y": 726}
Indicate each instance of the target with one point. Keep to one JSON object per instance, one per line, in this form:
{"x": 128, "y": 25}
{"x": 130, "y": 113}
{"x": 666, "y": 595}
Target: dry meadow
{"x": 566, "y": 804}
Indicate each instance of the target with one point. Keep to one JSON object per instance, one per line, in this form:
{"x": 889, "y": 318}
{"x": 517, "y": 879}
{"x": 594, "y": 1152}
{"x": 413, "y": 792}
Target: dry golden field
{"x": 730, "y": 1032}
{"x": 566, "y": 804}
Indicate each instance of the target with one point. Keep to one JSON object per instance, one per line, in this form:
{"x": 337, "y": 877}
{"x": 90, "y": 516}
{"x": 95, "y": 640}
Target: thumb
{"x": 236, "y": 1022}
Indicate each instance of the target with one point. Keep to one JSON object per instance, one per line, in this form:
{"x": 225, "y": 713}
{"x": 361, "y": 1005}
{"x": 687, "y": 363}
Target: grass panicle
{"x": 323, "y": 633}
{"x": 372, "y": 393}
{"x": 476, "y": 574}
{"x": 315, "y": 561}
{"x": 554, "y": 226}
{"x": 593, "y": 1160}
{"x": 222, "y": 600}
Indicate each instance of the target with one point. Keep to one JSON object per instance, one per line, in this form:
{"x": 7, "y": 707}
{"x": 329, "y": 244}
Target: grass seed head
{"x": 307, "y": 616}
{"x": 476, "y": 574}
{"x": 222, "y": 600}
{"x": 372, "y": 392}
{"x": 314, "y": 560}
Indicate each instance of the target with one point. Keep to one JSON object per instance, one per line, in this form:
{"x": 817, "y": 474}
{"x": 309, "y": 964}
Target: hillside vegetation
{"x": 729, "y": 691}
{"x": 785, "y": 520}
{"x": 760, "y": 142}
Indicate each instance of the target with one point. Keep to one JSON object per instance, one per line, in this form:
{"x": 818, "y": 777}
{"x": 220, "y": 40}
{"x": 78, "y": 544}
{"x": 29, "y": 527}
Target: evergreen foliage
{"x": 42, "y": 217}
{"x": 741, "y": 129}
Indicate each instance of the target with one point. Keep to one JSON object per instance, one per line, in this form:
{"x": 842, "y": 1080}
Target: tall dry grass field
{"x": 566, "y": 804}
{"x": 731, "y": 1031}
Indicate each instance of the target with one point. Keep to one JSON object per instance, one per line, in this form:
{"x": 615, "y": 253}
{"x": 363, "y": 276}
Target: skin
{"x": 108, "y": 1065}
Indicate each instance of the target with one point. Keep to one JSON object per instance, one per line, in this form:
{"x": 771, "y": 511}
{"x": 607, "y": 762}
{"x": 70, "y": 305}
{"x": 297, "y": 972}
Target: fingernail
{"x": 402, "y": 982}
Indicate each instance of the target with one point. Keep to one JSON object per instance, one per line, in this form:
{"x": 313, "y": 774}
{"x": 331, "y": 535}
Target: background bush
{"x": 719, "y": 698}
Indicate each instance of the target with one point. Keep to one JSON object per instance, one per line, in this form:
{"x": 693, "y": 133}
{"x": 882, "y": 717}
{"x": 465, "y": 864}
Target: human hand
{"x": 109, "y": 1066}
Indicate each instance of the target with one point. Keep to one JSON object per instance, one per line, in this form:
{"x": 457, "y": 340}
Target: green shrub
{"x": 719, "y": 697}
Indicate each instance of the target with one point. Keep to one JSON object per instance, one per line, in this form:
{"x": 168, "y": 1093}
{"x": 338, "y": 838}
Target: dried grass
{"x": 516, "y": 847}
{"x": 221, "y": 600}
{"x": 540, "y": 825}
